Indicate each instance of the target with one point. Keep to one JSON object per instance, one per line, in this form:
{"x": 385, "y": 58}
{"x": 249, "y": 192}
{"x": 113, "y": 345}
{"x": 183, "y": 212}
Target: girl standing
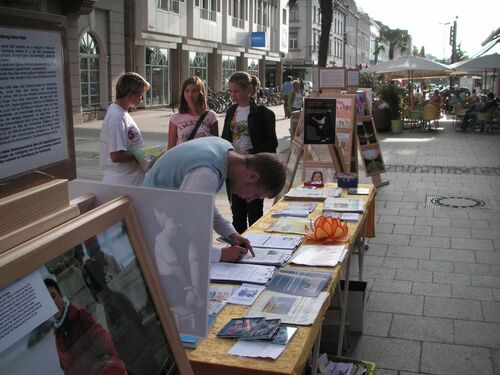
{"x": 295, "y": 97}
{"x": 251, "y": 128}
{"x": 193, "y": 105}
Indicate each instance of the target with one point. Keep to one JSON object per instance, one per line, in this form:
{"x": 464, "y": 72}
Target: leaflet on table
{"x": 299, "y": 282}
{"x": 267, "y": 256}
{"x": 309, "y": 206}
{"x": 246, "y": 294}
{"x": 265, "y": 348}
{"x": 215, "y": 307}
{"x": 320, "y": 255}
{"x": 292, "y": 225}
{"x": 241, "y": 273}
{"x": 358, "y": 191}
{"x": 295, "y": 209}
{"x": 312, "y": 193}
{"x": 346, "y": 216}
{"x": 288, "y": 242}
{"x": 344, "y": 204}
{"x": 221, "y": 292}
{"x": 290, "y": 309}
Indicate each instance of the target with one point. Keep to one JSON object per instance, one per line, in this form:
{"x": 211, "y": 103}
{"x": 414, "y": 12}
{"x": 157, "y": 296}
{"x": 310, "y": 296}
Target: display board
{"x": 332, "y": 78}
{"x": 36, "y": 126}
{"x": 53, "y": 287}
{"x": 369, "y": 148}
{"x": 319, "y": 120}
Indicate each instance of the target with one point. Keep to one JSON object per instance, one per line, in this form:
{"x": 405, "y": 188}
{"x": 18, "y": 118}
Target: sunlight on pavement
{"x": 406, "y": 140}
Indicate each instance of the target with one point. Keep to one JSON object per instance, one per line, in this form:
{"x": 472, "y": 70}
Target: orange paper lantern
{"x": 327, "y": 229}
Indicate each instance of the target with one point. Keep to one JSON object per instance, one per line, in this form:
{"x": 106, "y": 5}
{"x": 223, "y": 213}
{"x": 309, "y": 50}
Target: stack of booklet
{"x": 348, "y": 209}
{"x": 241, "y": 273}
{"x": 320, "y": 255}
{"x": 299, "y": 282}
{"x": 296, "y": 209}
{"x": 295, "y": 225}
{"x": 312, "y": 193}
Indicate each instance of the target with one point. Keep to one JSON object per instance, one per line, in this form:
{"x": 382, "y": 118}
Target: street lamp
{"x": 444, "y": 34}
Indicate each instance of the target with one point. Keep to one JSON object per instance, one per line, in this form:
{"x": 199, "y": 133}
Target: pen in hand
{"x": 231, "y": 242}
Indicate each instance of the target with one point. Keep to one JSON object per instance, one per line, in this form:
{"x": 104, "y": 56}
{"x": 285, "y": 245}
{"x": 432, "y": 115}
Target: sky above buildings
{"x": 425, "y": 19}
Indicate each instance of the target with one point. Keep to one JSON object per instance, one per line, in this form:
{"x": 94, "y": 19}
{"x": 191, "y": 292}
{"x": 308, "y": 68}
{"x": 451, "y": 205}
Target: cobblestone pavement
{"x": 441, "y": 169}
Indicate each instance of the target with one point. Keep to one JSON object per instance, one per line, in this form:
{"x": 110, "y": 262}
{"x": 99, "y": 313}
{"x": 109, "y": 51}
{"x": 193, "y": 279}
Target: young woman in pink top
{"x": 193, "y": 103}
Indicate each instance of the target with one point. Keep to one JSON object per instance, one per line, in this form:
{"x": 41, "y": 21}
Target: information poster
{"x": 33, "y": 128}
{"x": 319, "y": 120}
{"x": 332, "y": 78}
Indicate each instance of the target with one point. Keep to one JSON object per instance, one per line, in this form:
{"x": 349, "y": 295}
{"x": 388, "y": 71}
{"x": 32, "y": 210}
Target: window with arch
{"x": 89, "y": 73}
{"x": 198, "y": 65}
{"x": 253, "y": 67}
{"x": 157, "y": 74}
{"x": 228, "y": 68}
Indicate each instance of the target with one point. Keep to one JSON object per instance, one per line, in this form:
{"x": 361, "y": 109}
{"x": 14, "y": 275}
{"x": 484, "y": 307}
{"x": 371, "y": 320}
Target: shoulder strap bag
{"x": 197, "y": 126}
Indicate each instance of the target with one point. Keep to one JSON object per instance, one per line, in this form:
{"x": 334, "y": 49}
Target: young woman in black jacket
{"x": 251, "y": 128}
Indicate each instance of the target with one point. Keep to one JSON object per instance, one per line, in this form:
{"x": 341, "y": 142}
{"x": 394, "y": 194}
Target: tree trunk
{"x": 326, "y": 10}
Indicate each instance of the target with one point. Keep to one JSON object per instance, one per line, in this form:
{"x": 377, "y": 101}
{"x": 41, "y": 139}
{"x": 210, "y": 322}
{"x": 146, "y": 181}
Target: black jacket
{"x": 261, "y": 128}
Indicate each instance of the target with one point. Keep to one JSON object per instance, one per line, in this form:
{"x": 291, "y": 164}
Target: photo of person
{"x": 317, "y": 176}
{"x": 319, "y": 124}
{"x": 319, "y": 172}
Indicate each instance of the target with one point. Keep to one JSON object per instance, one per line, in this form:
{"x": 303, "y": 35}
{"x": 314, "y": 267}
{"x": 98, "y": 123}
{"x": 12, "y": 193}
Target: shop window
{"x": 157, "y": 74}
{"x": 89, "y": 74}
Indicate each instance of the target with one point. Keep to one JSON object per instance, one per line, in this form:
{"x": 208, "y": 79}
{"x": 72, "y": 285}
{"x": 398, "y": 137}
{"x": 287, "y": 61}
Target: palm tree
{"x": 395, "y": 38}
{"x": 326, "y": 8}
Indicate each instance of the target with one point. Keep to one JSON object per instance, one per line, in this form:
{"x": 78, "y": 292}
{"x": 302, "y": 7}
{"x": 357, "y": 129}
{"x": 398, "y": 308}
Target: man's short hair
{"x": 51, "y": 283}
{"x": 131, "y": 83}
{"x": 271, "y": 170}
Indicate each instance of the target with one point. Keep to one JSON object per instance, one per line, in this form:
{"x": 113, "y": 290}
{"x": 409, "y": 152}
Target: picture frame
{"x": 327, "y": 170}
{"x": 352, "y": 78}
{"x": 57, "y": 254}
{"x": 41, "y": 146}
{"x": 372, "y": 159}
{"x": 332, "y": 78}
{"x": 291, "y": 165}
{"x": 367, "y": 132}
{"x": 319, "y": 120}
{"x": 345, "y": 142}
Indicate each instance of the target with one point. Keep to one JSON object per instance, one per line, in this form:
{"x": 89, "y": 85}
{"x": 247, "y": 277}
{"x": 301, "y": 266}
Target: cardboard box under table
{"x": 211, "y": 356}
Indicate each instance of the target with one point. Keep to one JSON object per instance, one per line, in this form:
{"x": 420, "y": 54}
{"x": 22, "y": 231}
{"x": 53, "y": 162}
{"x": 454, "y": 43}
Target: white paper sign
{"x": 24, "y": 305}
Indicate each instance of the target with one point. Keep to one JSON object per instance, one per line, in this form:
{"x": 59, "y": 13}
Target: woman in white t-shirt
{"x": 193, "y": 103}
{"x": 120, "y": 133}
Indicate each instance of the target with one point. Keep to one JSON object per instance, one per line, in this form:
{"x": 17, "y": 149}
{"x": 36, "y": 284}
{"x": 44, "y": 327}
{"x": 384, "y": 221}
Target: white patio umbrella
{"x": 413, "y": 66}
{"x": 483, "y": 63}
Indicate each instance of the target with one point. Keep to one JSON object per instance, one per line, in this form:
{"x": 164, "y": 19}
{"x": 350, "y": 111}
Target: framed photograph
{"x": 352, "y": 78}
{"x": 314, "y": 171}
{"x": 362, "y": 104}
{"x": 105, "y": 307}
{"x": 332, "y": 78}
{"x": 297, "y": 125}
{"x": 344, "y": 139}
{"x": 37, "y": 144}
{"x": 292, "y": 163}
{"x": 319, "y": 120}
{"x": 367, "y": 133}
{"x": 345, "y": 112}
{"x": 372, "y": 159}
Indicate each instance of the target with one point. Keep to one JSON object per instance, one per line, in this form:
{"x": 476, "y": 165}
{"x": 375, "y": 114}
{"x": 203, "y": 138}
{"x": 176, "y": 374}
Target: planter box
{"x": 382, "y": 119}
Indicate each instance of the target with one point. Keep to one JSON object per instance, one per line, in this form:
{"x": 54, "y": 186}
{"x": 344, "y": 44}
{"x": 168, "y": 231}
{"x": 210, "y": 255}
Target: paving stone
{"x": 495, "y": 356}
{"x": 389, "y": 219}
{"x": 496, "y": 243}
{"x": 377, "y": 249}
{"x": 392, "y": 262}
{"x": 485, "y": 281}
{"x": 453, "y": 255}
{"x": 416, "y": 212}
{"x": 431, "y": 289}
{"x": 412, "y": 229}
{"x": 376, "y": 323}
{"x": 409, "y": 252}
{"x": 464, "y": 223}
{"x": 433, "y": 221}
{"x": 387, "y": 211}
{"x": 373, "y": 261}
{"x": 413, "y": 275}
{"x": 451, "y": 232}
{"x": 486, "y": 234}
{"x": 449, "y": 359}
{"x": 422, "y": 328}
{"x": 435, "y": 265}
{"x": 472, "y": 268}
{"x": 477, "y": 333}
{"x": 425, "y": 241}
{"x": 379, "y": 273}
{"x": 393, "y": 286}
{"x": 403, "y": 204}
{"x": 395, "y": 303}
{"x": 390, "y": 196}
{"x": 495, "y": 269}
{"x": 472, "y": 292}
{"x": 474, "y": 244}
{"x": 491, "y": 311}
{"x": 391, "y": 239}
{"x": 384, "y": 228}
{"x": 389, "y": 353}
{"x": 453, "y": 308}
{"x": 451, "y": 213}
{"x": 451, "y": 278}
{"x": 383, "y": 371}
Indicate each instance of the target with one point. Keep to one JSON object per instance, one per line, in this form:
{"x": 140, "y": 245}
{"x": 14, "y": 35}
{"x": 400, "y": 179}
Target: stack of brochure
{"x": 241, "y": 273}
{"x": 295, "y": 225}
{"x": 345, "y": 216}
{"x": 312, "y": 193}
{"x": 268, "y": 256}
{"x": 344, "y": 205}
{"x": 320, "y": 255}
{"x": 299, "y": 282}
{"x": 296, "y": 209}
{"x": 262, "y": 240}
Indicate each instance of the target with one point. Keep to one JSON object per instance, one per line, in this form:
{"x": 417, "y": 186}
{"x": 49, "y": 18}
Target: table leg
{"x": 315, "y": 354}
{"x": 361, "y": 249}
{"x": 343, "y": 306}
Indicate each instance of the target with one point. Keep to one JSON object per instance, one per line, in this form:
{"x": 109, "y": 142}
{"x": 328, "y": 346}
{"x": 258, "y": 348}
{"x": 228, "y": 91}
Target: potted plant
{"x": 391, "y": 95}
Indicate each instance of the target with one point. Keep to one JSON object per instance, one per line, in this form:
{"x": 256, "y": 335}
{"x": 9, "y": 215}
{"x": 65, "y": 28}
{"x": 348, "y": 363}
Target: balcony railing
{"x": 239, "y": 23}
{"x": 169, "y": 5}
{"x": 261, "y": 28}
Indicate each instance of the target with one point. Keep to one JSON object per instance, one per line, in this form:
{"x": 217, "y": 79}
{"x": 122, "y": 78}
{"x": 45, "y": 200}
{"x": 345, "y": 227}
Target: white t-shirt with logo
{"x": 239, "y": 127}
{"x": 119, "y": 132}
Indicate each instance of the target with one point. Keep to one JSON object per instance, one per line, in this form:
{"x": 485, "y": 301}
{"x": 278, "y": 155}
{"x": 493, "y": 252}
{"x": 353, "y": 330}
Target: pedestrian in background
{"x": 120, "y": 133}
{"x": 251, "y": 129}
{"x": 194, "y": 119}
{"x": 285, "y": 91}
